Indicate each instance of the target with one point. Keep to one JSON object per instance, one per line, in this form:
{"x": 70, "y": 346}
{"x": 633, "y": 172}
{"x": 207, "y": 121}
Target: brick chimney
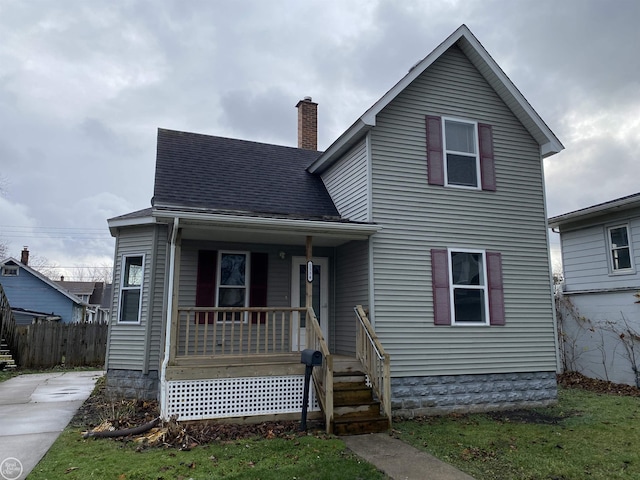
{"x": 307, "y": 124}
{"x": 24, "y": 256}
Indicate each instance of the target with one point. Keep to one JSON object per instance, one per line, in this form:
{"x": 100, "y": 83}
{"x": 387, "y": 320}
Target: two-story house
{"x": 598, "y": 304}
{"x": 428, "y": 211}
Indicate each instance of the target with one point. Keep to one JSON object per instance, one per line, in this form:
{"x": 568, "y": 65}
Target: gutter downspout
{"x": 167, "y": 332}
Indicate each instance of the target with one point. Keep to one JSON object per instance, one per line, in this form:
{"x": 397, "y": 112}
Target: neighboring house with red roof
{"x": 428, "y": 211}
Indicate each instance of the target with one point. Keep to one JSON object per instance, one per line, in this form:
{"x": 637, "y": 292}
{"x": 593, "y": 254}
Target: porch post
{"x": 175, "y": 324}
{"x": 309, "y": 285}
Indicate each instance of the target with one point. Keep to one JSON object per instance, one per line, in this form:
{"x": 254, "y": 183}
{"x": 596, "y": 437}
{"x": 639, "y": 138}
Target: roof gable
{"x": 223, "y": 174}
{"x": 42, "y": 278}
{"x": 488, "y": 68}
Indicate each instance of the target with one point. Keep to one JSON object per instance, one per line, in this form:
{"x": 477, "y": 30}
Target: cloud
{"x": 84, "y": 87}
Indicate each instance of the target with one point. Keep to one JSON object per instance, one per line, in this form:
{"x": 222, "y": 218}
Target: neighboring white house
{"x": 598, "y": 305}
{"x": 429, "y": 211}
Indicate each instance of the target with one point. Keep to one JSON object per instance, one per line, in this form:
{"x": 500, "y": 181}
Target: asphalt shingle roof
{"x": 203, "y": 171}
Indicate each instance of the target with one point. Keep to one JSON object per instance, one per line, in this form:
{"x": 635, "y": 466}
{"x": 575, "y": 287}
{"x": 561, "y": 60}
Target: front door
{"x": 320, "y": 296}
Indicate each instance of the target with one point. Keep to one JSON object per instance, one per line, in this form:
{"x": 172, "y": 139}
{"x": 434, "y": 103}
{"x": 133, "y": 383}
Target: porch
{"x": 244, "y": 363}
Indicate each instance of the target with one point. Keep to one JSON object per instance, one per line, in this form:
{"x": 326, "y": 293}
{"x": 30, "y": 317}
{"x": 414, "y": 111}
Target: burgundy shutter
{"x": 258, "y": 288}
{"x": 440, "y": 282}
{"x": 487, "y": 162}
{"x": 435, "y": 160}
{"x": 496, "y": 290}
{"x": 206, "y": 282}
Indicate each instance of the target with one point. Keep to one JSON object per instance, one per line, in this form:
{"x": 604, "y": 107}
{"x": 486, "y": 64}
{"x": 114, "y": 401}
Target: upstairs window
{"x": 462, "y": 165}
{"x": 9, "y": 271}
{"x": 620, "y": 249}
{"x": 131, "y": 288}
{"x": 460, "y": 154}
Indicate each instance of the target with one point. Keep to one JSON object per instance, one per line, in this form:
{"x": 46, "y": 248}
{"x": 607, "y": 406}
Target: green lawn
{"x": 305, "y": 457}
{"x": 586, "y": 436}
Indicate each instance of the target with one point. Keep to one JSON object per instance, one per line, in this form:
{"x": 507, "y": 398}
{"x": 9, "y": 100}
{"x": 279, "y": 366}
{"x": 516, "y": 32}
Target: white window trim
{"x": 247, "y": 279}
{"x": 10, "y": 268}
{"x": 123, "y": 288}
{"x": 484, "y": 287}
{"x": 455, "y": 152}
{"x": 620, "y": 271}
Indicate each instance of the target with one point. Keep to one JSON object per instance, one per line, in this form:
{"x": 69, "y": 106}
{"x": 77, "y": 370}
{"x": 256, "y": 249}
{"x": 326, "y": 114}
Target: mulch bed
{"x": 122, "y": 414}
{"x": 577, "y": 380}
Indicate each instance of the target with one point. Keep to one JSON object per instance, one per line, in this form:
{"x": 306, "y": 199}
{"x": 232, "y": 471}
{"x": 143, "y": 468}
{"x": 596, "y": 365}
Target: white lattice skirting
{"x": 237, "y": 397}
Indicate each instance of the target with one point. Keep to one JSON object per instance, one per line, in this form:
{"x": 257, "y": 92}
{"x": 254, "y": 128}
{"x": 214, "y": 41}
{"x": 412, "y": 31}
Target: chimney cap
{"x": 307, "y": 100}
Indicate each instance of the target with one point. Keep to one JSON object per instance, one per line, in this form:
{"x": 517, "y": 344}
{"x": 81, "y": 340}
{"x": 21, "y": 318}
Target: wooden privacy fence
{"x": 7, "y": 322}
{"x": 47, "y": 344}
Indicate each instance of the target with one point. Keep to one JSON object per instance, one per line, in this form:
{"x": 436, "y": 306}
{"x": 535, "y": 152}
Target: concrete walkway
{"x": 401, "y": 461}
{"x": 34, "y": 409}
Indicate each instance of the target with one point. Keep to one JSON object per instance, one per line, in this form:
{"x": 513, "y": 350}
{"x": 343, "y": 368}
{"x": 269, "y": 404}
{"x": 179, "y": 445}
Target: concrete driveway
{"x": 34, "y": 409}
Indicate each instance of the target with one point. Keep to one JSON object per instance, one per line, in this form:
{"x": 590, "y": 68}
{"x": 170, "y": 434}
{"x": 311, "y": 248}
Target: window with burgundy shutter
{"x": 206, "y": 283}
{"x": 467, "y": 287}
{"x": 460, "y": 153}
{"x": 258, "y": 288}
{"x": 231, "y": 279}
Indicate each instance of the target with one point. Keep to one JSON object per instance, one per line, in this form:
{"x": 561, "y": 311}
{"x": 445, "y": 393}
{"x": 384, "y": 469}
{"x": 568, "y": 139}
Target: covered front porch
{"x": 245, "y": 301}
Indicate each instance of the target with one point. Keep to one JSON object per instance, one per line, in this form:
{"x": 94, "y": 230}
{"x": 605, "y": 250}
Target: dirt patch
{"x": 100, "y": 412}
{"x": 525, "y": 416}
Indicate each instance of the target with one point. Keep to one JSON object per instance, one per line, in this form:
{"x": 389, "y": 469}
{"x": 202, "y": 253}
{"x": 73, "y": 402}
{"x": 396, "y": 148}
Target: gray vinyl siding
{"x": 279, "y": 275}
{"x": 158, "y": 316}
{"x": 416, "y": 217}
{"x": 347, "y": 183}
{"x": 586, "y": 256}
{"x": 127, "y": 341}
{"x": 352, "y": 288}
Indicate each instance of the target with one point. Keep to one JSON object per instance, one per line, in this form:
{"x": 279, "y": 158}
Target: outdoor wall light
{"x": 282, "y": 255}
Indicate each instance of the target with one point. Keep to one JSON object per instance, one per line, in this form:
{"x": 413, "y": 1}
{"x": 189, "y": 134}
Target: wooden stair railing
{"x": 322, "y": 376}
{"x": 374, "y": 359}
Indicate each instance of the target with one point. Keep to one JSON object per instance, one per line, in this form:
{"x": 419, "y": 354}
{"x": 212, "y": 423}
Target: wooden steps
{"x": 355, "y": 410}
{"x": 6, "y": 359}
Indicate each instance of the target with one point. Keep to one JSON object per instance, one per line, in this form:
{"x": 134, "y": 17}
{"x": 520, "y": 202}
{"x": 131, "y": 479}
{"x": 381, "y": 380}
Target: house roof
{"x": 622, "y": 203}
{"x": 44, "y": 279}
{"x": 224, "y": 174}
{"x": 77, "y": 288}
{"x": 95, "y": 290}
{"x": 488, "y": 68}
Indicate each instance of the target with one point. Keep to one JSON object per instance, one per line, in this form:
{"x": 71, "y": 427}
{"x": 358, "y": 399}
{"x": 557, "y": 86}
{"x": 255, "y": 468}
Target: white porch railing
{"x": 376, "y": 362}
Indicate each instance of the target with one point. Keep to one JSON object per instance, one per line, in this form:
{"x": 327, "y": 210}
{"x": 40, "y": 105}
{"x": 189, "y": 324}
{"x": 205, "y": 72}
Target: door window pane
{"x": 316, "y": 292}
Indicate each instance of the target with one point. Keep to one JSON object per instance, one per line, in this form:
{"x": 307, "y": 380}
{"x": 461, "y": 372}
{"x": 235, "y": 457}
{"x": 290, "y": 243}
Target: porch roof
{"x": 282, "y": 230}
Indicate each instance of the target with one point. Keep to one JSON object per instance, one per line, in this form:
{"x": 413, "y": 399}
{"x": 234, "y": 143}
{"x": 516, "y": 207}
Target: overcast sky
{"x": 84, "y": 85}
